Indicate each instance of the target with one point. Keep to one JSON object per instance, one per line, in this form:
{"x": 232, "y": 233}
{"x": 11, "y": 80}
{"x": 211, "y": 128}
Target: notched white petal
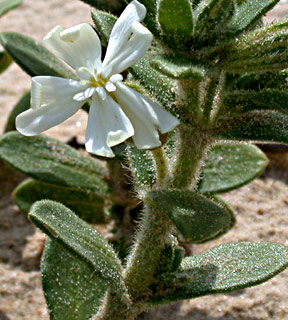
{"x": 107, "y": 127}
{"x": 131, "y": 51}
{"x": 78, "y": 46}
{"x": 122, "y": 30}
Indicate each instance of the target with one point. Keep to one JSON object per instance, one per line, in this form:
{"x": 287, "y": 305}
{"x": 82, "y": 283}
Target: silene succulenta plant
{"x": 169, "y": 126}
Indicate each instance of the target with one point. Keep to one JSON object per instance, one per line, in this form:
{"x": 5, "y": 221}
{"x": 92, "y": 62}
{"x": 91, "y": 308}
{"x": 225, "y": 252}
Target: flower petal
{"x": 142, "y": 116}
{"x": 46, "y": 90}
{"x": 79, "y": 46}
{"x": 121, "y": 32}
{"x": 35, "y": 121}
{"x": 52, "y": 103}
{"x": 133, "y": 50}
{"x": 107, "y": 126}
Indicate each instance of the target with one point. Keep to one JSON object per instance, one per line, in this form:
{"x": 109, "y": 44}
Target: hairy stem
{"x": 191, "y": 151}
{"x": 161, "y": 166}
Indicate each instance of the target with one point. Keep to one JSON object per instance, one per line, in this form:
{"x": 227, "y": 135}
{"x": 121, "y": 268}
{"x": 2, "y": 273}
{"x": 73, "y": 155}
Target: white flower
{"x": 117, "y": 112}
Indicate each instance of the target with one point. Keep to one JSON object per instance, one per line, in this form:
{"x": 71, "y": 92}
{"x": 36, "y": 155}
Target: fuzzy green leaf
{"x": 116, "y": 7}
{"x": 259, "y": 51}
{"x": 86, "y": 204}
{"x": 211, "y": 16}
{"x": 177, "y": 67}
{"x": 5, "y": 61}
{"x": 176, "y": 32}
{"x": 229, "y": 166}
{"x": 32, "y": 57}
{"x": 22, "y": 105}
{"x": 62, "y": 225}
{"x": 6, "y": 5}
{"x": 222, "y": 269}
{"x": 268, "y": 126}
{"x": 159, "y": 85}
{"x": 51, "y": 161}
{"x": 104, "y": 23}
{"x": 72, "y": 290}
{"x": 141, "y": 166}
{"x": 269, "y": 99}
{"x": 258, "y": 82}
{"x": 188, "y": 210}
{"x": 151, "y": 17}
{"x": 247, "y": 13}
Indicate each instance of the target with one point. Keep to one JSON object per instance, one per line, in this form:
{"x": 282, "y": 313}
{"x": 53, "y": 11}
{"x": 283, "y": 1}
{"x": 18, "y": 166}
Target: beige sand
{"x": 261, "y": 207}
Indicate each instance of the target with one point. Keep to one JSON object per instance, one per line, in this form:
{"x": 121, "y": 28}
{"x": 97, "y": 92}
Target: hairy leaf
{"x": 231, "y": 165}
{"x": 177, "y": 67}
{"x": 104, "y": 23}
{"x": 188, "y": 210}
{"x": 222, "y": 269}
{"x": 62, "y": 225}
{"x": 72, "y": 290}
{"x": 211, "y": 16}
{"x": 247, "y": 13}
{"x": 268, "y": 126}
{"x": 88, "y": 205}
{"x": 51, "y": 161}
{"x": 141, "y": 165}
{"x": 159, "y": 85}
{"x": 259, "y": 51}
{"x": 176, "y": 32}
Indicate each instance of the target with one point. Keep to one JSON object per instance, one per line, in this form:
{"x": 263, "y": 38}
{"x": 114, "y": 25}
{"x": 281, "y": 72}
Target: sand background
{"x": 261, "y": 207}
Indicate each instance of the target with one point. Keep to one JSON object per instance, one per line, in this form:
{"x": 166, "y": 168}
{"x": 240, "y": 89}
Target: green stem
{"x": 191, "y": 151}
{"x": 209, "y": 98}
{"x": 143, "y": 261}
{"x": 161, "y": 166}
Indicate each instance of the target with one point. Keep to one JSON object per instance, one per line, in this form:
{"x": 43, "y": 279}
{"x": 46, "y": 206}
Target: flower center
{"x": 97, "y": 81}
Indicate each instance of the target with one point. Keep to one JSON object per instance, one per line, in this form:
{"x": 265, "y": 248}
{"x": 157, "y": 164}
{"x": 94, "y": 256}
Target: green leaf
{"x": 211, "y": 16}
{"x": 22, "y": 105}
{"x": 51, "y": 161}
{"x": 187, "y": 210}
{"x": 141, "y": 166}
{"x": 86, "y": 204}
{"x": 62, "y": 225}
{"x": 157, "y": 84}
{"x": 32, "y": 57}
{"x": 177, "y": 67}
{"x": 72, "y": 290}
{"x": 262, "y": 50}
{"x": 6, "y": 5}
{"x": 104, "y": 23}
{"x": 116, "y": 7}
{"x": 247, "y": 13}
{"x": 229, "y": 166}
{"x": 269, "y": 99}
{"x": 176, "y": 32}
{"x": 5, "y": 61}
{"x": 268, "y": 126}
{"x": 151, "y": 17}
{"x": 258, "y": 82}
{"x": 222, "y": 269}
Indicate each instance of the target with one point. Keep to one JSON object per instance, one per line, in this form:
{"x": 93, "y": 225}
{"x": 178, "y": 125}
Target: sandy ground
{"x": 261, "y": 207}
